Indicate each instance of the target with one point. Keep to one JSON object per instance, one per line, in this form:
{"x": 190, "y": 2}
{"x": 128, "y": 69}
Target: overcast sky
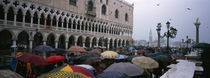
{"x": 181, "y": 13}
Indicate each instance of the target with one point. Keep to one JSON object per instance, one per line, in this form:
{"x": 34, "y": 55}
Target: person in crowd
{"x": 206, "y": 63}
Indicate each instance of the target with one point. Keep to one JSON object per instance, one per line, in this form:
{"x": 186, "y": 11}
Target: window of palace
{"x": 116, "y": 13}
{"x": 103, "y": 9}
{"x": 73, "y": 2}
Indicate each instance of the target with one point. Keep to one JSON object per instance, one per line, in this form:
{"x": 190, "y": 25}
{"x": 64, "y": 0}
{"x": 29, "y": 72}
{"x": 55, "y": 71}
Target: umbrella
{"x": 78, "y": 69}
{"x": 122, "y": 57}
{"x": 9, "y": 74}
{"x": 60, "y": 51}
{"x": 87, "y": 56}
{"x": 77, "y": 49}
{"x": 129, "y": 58}
{"x": 54, "y": 59}
{"x": 112, "y": 74}
{"x": 142, "y": 51}
{"x": 163, "y": 58}
{"x": 109, "y": 54}
{"x": 126, "y": 68}
{"x": 145, "y": 62}
{"x": 44, "y": 48}
{"x": 32, "y": 58}
{"x": 95, "y": 51}
{"x": 201, "y": 45}
{"x": 87, "y": 66}
{"x": 63, "y": 74}
{"x": 92, "y": 60}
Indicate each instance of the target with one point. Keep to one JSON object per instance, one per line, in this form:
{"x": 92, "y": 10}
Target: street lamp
{"x": 158, "y": 32}
{"x": 171, "y": 33}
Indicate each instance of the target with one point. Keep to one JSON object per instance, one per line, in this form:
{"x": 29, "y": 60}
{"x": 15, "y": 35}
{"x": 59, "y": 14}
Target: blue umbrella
{"x": 122, "y": 57}
{"x": 43, "y": 48}
{"x": 112, "y": 74}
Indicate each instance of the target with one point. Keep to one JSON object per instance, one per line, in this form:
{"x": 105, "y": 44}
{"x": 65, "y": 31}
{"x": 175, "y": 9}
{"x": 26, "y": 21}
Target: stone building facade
{"x": 65, "y": 23}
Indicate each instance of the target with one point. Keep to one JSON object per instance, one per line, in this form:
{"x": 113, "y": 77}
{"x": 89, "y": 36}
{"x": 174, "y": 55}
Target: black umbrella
{"x": 60, "y": 51}
{"x": 201, "y": 45}
{"x": 112, "y": 74}
{"x": 85, "y": 57}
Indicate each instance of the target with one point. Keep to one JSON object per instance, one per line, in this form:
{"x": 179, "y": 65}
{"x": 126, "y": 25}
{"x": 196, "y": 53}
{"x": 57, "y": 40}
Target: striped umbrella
{"x": 110, "y": 55}
{"x": 77, "y": 69}
{"x": 63, "y": 74}
{"x": 9, "y": 74}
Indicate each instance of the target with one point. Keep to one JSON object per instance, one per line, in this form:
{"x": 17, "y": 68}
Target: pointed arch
{"x": 74, "y": 24}
{"x": 65, "y": 23}
{"x": 116, "y": 13}
{"x": 70, "y": 23}
{"x": 87, "y": 42}
{"x": 90, "y": 5}
{"x": 59, "y": 22}
{"x": 54, "y": 20}
{"x": 94, "y": 40}
{"x": 35, "y": 18}
{"x": 126, "y": 16}
{"x": 6, "y": 40}
{"x": 71, "y": 41}
{"x": 80, "y": 41}
{"x": 28, "y": 17}
{"x": 78, "y": 25}
{"x": 10, "y": 15}
{"x": 61, "y": 43}
{"x": 23, "y": 40}
{"x": 38, "y": 39}
{"x": 103, "y": 9}
{"x": 1, "y": 11}
{"x": 48, "y": 20}
{"x": 42, "y": 19}
{"x": 51, "y": 40}
{"x": 111, "y": 44}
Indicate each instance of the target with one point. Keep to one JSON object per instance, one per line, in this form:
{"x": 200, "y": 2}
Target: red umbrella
{"x": 54, "y": 59}
{"x": 32, "y": 58}
{"x": 142, "y": 51}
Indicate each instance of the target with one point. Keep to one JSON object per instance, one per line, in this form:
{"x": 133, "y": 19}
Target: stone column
{"x": 117, "y": 44}
{"x": 24, "y": 16}
{"x": 44, "y": 42}
{"x": 108, "y": 45}
{"x": 91, "y": 28}
{"x": 91, "y": 44}
{"x": 76, "y": 26}
{"x": 38, "y": 22}
{"x": 83, "y": 44}
{"x": 97, "y": 43}
{"x": 56, "y": 24}
{"x": 80, "y": 27}
{"x": 71, "y": 25}
{"x": 30, "y": 46}
{"x": 15, "y": 19}
{"x": 62, "y": 24}
{"x": 14, "y": 46}
{"x": 45, "y": 22}
{"x": 31, "y": 25}
{"x": 56, "y": 44}
{"x": 67, "y": 26}
{"x": 5, "y": 18}
{"x": 51, "y": 23}
{"x": 66, "y": 46}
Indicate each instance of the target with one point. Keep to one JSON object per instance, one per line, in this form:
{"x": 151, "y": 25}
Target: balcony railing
{"x": 53, "y": 28}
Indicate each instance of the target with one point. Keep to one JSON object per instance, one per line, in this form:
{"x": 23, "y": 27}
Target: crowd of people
{"x": 29, "y": 70}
